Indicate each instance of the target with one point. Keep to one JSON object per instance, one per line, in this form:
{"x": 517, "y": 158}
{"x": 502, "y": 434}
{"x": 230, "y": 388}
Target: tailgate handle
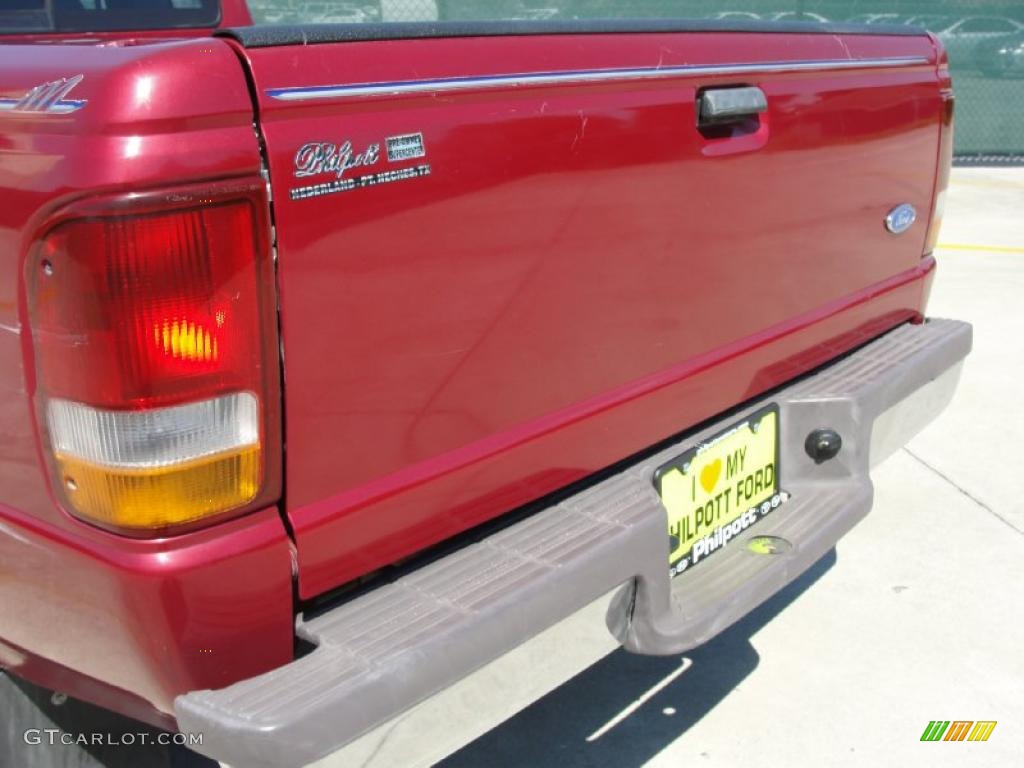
{"x": 728, "y": 105}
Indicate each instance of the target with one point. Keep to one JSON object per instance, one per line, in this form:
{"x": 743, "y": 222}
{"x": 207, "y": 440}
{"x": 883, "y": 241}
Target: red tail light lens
{"x": 944, "y": 170}
{"x": 155, "y": 342}
{"x": 146, "y": 309}
{"x": 945, "y": 158}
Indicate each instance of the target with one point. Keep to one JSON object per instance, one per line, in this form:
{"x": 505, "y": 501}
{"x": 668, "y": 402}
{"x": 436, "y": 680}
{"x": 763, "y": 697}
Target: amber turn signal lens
{"x": 164, "y": 497}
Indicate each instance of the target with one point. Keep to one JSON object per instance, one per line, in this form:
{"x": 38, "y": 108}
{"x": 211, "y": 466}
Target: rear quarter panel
{"x": 148, "y": 619}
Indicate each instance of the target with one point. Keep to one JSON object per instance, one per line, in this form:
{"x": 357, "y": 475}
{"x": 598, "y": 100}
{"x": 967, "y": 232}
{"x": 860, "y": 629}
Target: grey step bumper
{"x": 383, "y": 652}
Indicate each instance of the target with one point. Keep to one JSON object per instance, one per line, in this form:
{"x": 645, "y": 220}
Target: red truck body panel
{"x": 153, "y": 618}
{"x": 581, "y": 275}
{"x": 131, "y": 627}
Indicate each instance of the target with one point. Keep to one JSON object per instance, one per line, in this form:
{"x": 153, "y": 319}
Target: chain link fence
{"x": 985, "y": 39}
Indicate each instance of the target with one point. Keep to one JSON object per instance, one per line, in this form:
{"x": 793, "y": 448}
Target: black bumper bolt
{"x": 823, "y": 444}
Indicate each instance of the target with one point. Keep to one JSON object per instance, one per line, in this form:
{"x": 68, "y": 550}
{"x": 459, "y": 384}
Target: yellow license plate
{"x": 720, "y": 488}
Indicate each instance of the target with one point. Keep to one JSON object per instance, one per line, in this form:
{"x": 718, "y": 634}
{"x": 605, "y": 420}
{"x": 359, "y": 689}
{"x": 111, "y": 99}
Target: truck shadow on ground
{"x": 554, "y": 730}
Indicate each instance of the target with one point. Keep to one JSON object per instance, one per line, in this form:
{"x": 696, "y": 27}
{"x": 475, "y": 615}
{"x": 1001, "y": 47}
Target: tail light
{"x": 945, "y": 153}
{"x": 155, "y": 344}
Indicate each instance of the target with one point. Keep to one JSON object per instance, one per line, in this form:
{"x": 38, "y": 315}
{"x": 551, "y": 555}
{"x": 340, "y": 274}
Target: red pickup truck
{"x": 337, "y": 361}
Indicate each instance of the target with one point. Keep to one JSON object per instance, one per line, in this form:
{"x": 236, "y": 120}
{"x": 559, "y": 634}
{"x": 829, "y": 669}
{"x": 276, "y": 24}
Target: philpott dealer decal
{"x": 345, "y": 162}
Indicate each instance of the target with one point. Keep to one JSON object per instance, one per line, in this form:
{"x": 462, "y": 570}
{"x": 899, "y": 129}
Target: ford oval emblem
{"x": 901, "y": 218}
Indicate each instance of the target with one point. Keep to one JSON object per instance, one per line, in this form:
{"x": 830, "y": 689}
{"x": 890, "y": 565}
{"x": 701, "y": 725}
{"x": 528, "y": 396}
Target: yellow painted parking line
{"x": 990, "y": 248}
{"x": 986, "y": 183}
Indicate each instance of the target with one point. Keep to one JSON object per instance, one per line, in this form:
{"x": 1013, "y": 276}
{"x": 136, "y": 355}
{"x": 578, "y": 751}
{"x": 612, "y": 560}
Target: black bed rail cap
{"x": 312, "y": 34}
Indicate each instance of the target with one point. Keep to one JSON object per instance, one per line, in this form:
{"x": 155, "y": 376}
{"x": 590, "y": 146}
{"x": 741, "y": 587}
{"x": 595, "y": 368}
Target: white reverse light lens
{"x": 159, "y": 437}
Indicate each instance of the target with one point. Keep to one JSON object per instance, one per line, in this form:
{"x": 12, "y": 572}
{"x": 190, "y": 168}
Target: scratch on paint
{"x": 843, "y": 45}
{"x": 661, "y": 56}
{"x": 582, "y": 132}
{"x": 10, "y": 328}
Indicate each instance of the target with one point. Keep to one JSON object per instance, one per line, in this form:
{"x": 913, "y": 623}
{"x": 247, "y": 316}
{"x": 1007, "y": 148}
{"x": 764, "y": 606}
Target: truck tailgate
{"x": 507, "y": 262}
